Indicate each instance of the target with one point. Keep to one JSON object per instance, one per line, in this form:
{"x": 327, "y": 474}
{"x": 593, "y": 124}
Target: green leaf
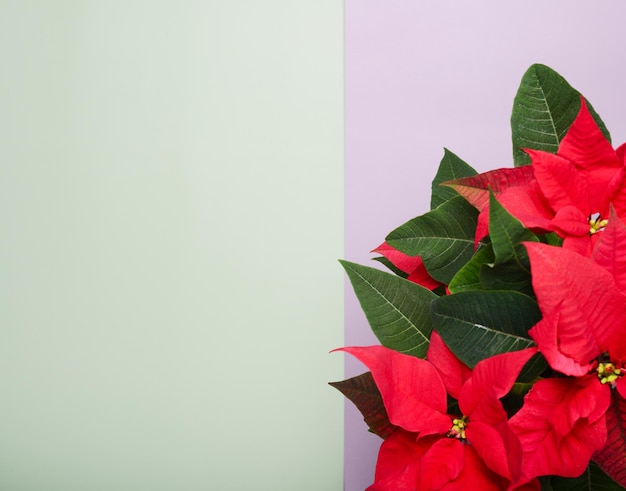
{"x": 364, "y": 393}
{"x": 511, "y": 267}
{"x": 398, "y": 310}
{"x": 392, "y": 267}
{"x": 593, "y": 479}
{"x": 533, "y": 369}
{"x": 507, "y": 233}
{"x": 543, "y": 110}
{"x": 443, "y": 237}
{"x": 545, "y": 483}
{"x": 551, "y": 239}
{"x": 514, "y": 400}
{"x": 507, "y": 276}
{"x": 478, "y": 324}
{"x": 451, "y": 167}
{"x": 468, "y": 277}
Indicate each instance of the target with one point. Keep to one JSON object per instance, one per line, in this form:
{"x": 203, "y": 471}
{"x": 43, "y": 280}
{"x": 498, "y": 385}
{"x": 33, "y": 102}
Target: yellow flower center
{"x": 608, "y": 374}
{"x": 458, "y": 428}
{"x": 596, "y": 224}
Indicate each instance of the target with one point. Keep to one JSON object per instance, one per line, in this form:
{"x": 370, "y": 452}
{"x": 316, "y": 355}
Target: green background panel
{"x": 171, "y": 192}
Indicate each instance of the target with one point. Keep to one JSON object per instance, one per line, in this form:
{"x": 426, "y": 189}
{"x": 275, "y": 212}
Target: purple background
{"x": 424, "y": 75}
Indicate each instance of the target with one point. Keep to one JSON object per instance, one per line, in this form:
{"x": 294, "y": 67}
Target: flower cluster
{"x": 502, "y": 363}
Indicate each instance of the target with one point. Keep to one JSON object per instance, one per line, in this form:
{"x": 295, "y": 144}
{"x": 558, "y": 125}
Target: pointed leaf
{"x": 362, "y": 391}
{"x": 533, "y": 369}
{"x": 443, "y": 237}
{"x": 468, "y": 277}
{"x": 478, "y": 324}
{"x": 388, "y": 264}
{"x": 507, "y": 276}
{"x": 511, "y": 268}
{"x": 450, "y": 168}
{"x": 612, "y": 458}
{"x": 507, "y": 233}
{"x": 398, "y": 311}
{"x": 544, "y": 108}
{"x": 550, "y": 239}
{"x": 593, "y": 479}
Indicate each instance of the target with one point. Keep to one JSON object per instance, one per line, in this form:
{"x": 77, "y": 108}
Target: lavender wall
{"x": 424, "y": 75}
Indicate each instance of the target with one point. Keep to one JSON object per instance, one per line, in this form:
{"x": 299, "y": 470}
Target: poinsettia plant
{"x": 502, "y": 321}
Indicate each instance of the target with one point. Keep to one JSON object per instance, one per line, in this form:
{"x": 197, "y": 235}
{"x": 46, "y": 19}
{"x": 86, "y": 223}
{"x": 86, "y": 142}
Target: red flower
{"x": 411, "y": 265}
{"x": 561, "y": 424}
{"x": 568, "y": 193}
{"x": 433, "y": 450}
{"x": 583, "y": 302}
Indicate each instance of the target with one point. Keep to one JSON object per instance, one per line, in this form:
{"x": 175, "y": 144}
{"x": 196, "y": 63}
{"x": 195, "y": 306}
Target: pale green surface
{"x": 171, "y": 215}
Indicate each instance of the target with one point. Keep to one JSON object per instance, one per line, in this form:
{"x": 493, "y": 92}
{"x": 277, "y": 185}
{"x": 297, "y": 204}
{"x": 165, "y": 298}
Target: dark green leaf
{"x": 593, "y": 479}
{"x": 545, "y": 483}
{"x": 386, "y": 262}
{"x": 443, "y": 237}
{"x": 478, "y": 324}
{"x": 533, "y": 369}
{"x": 507, "y": 276}
{"x": 543, "y": 110}
{"x": 507, "y": 233}
{"x": 514, "y": 400}
{"x": 468, "y": 277}
{"x": 450, "y": 168}
{"x": 398, "y": 310}
{"x": 453, "y": 405}
{"x": 362, "y": 391}
{"x": 551, "y": 239}
{"x": 511, "y": 267}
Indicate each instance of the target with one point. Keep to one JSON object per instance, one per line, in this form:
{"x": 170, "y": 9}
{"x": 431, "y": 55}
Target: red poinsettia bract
{"x": 568, "y": 192}
{"x": 413, "y": 266}
{"x": 583, "y": 303}
{"x": 433, "y": 450}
